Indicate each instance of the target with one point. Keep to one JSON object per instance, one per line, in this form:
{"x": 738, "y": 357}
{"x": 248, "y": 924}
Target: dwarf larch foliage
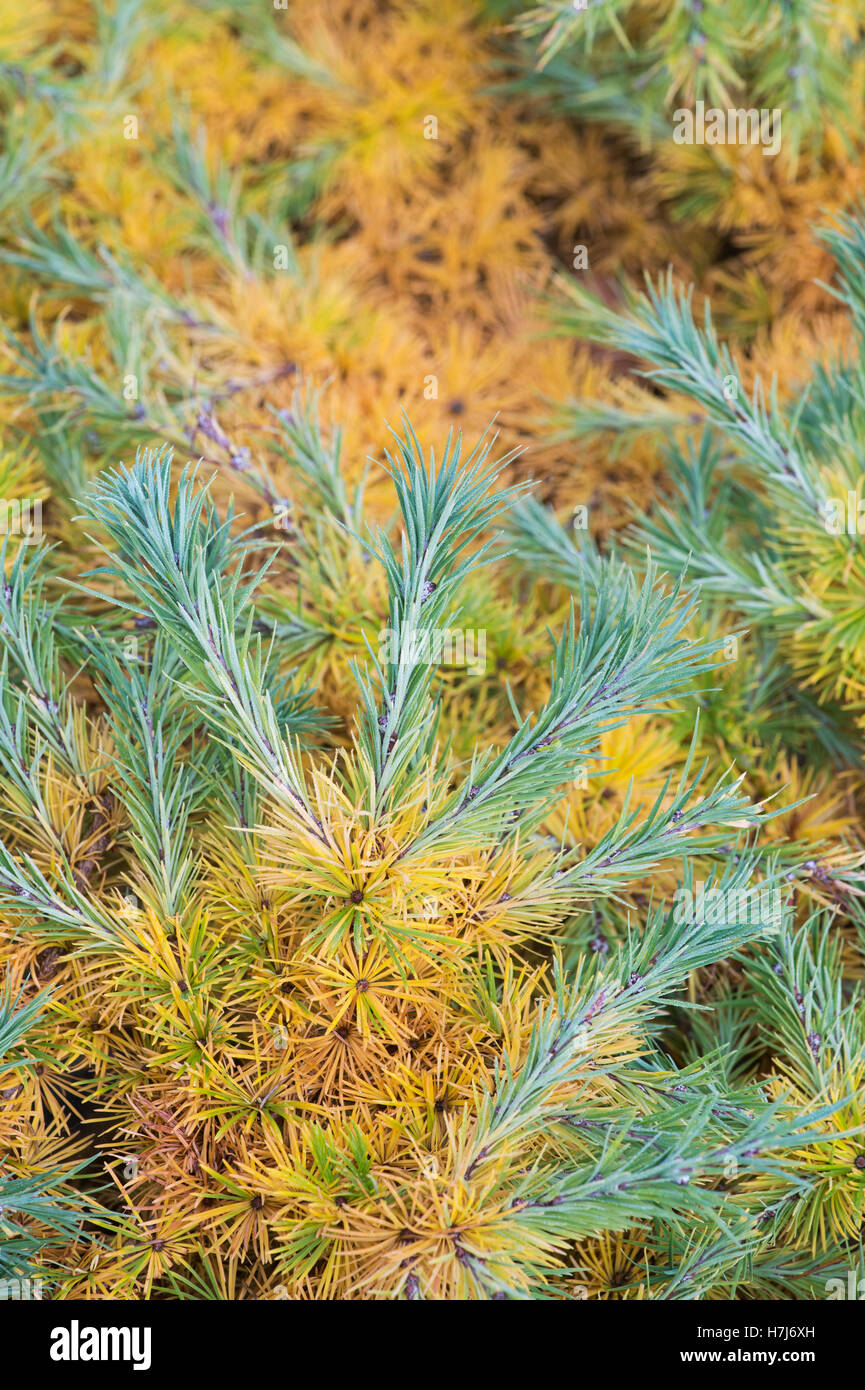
{"x": 324, "y": 991}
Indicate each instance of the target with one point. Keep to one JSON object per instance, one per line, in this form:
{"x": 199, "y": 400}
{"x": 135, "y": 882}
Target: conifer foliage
{"x": 327, "y": 1020}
